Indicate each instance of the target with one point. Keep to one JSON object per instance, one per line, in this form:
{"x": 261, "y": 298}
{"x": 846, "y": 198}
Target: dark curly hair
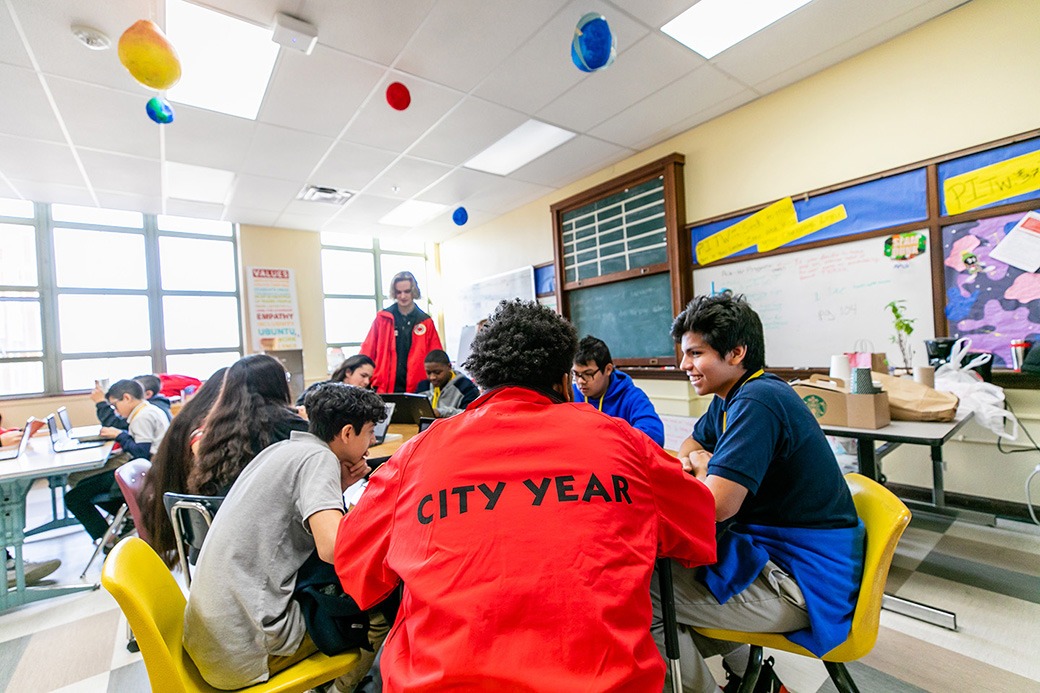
{"x": 524, "y": 344}
{"x": 331, "y": 406}
{"x": 725, "y": 322}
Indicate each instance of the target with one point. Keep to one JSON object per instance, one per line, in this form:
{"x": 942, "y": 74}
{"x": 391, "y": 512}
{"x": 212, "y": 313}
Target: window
{"x": 356, "y": 273}
{"x": 90, "y": 293}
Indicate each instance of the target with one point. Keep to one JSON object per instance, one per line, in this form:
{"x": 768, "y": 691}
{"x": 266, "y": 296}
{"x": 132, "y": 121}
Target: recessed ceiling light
{"x": 712, "y": 26}
{"x": 412, "y": 213}
{"x": 198, "y": 183}
{"x": 227, "y": 63}
{"x": 521, "y": 146}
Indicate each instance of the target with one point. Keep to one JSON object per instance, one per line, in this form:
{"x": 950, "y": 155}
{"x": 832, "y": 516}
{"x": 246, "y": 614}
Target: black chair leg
{"x": 840, "y": 676}
{"x": 754, "y": 668}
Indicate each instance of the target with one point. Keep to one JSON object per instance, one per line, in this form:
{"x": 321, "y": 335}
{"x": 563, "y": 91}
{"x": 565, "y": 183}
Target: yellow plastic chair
{"x": 885, "y": 517}
{"x": 154, "y": 606}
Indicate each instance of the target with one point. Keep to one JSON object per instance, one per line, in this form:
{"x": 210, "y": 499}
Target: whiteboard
{"x": 477, "y": 301}
{"x": 819, "y": 302}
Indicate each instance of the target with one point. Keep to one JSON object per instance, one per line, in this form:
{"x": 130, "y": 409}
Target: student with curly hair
{"x": 253, "y": 411}
{"x": 524, "y": 529}
{"x": 171, "y": 465}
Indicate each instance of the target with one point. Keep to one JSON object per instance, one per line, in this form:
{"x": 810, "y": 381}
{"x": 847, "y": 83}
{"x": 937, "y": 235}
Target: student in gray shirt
{"x": 242, "y": 624}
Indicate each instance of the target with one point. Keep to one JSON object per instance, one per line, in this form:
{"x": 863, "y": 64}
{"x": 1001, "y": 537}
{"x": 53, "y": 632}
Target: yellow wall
{"x": 963, "y": 79}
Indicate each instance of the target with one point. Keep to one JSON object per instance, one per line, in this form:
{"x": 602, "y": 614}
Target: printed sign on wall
{"x": 274, "y": 312}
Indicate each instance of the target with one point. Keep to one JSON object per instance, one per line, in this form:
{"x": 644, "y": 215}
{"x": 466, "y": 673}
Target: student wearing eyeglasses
{"x": 597, "y": 382}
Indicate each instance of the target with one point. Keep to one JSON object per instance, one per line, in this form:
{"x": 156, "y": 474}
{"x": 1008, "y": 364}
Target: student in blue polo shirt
{"x": 790, "y": 546}
{"x": 597, "y": 382}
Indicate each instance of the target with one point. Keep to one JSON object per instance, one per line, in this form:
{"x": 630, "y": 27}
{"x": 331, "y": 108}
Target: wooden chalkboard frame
{"x": 934, "y": 224}
{"x": 677, "y": 240}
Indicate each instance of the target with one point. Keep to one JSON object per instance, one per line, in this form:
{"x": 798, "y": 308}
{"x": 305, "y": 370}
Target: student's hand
{"x": 696, "y": 463}
{"x": 97, "y": 396}
{"x": 109, "y": 432}
{"x": 351, "y": 473}
{"x": 10, "y": 438}
{"x": 302, "y": 412}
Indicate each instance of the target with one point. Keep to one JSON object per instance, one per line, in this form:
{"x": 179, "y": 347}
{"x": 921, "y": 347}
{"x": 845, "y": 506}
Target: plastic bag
{"x": 985, "y": 400}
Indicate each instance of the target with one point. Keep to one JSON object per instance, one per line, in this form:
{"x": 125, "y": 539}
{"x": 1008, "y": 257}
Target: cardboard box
{"x": 831, "y": 403}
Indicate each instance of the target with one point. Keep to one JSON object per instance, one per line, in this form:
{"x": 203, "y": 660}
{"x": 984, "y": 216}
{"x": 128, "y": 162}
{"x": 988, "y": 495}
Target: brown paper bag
{"x": 911, "y": 401}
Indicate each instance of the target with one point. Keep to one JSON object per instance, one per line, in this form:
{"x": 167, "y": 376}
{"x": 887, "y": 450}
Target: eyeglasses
{"x": 586, "y": 376}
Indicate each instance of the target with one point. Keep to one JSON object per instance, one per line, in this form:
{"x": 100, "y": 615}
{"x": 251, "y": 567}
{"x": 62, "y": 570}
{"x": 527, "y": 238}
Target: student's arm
{"x": 323, "y": 525}
{"x": 107, "y": 416}
{"x": 142, "y": 450}
{"x": 685, "y": 510}
{"x": 642, "y": 415}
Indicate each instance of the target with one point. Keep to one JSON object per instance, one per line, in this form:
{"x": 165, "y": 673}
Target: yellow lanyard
{"x": 437, "y": 392}
{"x": 600, "y": 406}
{"x": 752, "y": 377}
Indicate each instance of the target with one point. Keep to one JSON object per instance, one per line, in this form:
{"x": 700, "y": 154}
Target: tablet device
{"x": 425, "y": 423}
{"x": 381, "y": 428}
{"x": 23, "y": 442}
{"x": 410, "y": 408}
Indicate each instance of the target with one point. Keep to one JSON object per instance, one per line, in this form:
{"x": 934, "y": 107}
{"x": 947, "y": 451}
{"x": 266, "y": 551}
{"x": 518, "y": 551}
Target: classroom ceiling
{"x": 73, "y": 127}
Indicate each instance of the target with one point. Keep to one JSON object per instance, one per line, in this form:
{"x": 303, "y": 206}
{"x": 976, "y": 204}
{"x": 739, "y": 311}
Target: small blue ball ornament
{"x": 460, "y": 216}
{"x": 159, "y": 110}
{"x": 594, "y": 46}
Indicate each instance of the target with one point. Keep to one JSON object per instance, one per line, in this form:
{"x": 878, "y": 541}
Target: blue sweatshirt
{"x": 626, "y": 401}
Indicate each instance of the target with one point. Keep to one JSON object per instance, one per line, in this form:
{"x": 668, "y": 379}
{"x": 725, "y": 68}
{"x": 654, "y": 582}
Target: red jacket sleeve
{"x": 685, "y": 511}
{"x": 363, "y": 541}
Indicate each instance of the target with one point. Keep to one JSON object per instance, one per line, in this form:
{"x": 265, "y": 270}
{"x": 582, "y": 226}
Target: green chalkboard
{"x": 633, "y": 316}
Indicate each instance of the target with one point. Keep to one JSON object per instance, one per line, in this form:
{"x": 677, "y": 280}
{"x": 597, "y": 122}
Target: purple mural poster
{"x": 986, "y": 300}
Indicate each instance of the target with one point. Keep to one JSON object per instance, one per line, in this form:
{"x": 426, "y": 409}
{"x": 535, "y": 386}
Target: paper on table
{"x": 1021, "y": 247}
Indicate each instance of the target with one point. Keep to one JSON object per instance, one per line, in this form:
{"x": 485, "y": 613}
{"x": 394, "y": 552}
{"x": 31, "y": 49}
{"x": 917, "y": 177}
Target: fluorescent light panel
{"x": 712, "y": 26}
{"x": 197, "y": 183}
{"x": 523, "y": 145}
{"x": 412, "y": 213}
{"x": 226, "y": 63}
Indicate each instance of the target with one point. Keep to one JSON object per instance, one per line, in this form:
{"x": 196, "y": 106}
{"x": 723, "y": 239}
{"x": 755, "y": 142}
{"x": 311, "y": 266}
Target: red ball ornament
{"x": 398, "y": 97}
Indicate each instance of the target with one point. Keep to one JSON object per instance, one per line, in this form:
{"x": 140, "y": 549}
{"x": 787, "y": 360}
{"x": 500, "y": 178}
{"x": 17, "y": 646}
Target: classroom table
{"x": 16, "y": 477}
{"x": 933, "y": 434}
{"x": 396, "y": 436}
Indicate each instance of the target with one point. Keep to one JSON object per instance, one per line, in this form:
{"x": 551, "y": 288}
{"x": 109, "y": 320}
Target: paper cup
{"x": 925, "y": 375}
{"x": 840, "y": 368}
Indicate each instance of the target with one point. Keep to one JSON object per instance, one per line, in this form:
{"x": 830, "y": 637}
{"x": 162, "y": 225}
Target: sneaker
{"x": 34, "y": 571}
{"x": 768, "y": 681}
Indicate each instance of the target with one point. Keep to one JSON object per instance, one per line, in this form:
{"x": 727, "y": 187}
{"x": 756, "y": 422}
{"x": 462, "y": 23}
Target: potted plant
{"x": 904, "y": 328}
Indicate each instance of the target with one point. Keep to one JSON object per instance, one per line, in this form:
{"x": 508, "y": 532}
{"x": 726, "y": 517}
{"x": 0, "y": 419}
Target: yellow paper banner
{"x": 769, "y": 228}
{"x": 993, "y": 183}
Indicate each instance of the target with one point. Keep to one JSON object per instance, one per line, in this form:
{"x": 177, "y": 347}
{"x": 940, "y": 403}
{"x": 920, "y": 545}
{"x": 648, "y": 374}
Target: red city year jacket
{"x": 525, "y": 532}
{"x": 381, "y": 346}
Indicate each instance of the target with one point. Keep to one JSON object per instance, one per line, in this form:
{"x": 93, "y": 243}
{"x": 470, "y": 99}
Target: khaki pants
{"x": 773, "y": 603}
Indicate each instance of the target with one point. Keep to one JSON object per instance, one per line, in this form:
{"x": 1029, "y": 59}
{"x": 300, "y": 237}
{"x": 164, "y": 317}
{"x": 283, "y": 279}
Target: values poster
{"x": 275, "y": 314}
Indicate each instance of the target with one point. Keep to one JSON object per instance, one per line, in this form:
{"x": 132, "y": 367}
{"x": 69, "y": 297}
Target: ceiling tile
{"x": 646, "y": 67}
{"x": 149, "y": 204}
{"x": 653, "y": 14}
{"x": 570, "y": 161}
{"x": 541, "y": 69}
{"x": 677, "y": 102}
{"x": 53, "y": 192}
{"x": 300, "y": 222}
{"x": 461, "y": 41}
{"x": 469, "y": 129}
{"x": 119, "y": 173}
{"x": 33, "y": 118}
{"x": 717, "y": 109}
{"x": 462, "y": 183}
{"x": 376, "y": 30}
{"x": 505, "y": 195}
{"x": 12, "y": 50}
{"x": 208, "y": 138}
{"x": 364, "y": 209}
{"x": 267, "y": 194}
{"x": 320, "y": 211}
{"x": 194, "y": 209}
{"x": 378, "y": 125}
{"x": 318, "y": 92}
{"x": 409, "y": 176}
{"x": 351, "y": 166}
{"x": 283, "y": 153}
{"x": 115, "y": 121}
{"x": 8, "y": 191}
{"x": 244, "y": 215}
{"x": 22, "y": 159}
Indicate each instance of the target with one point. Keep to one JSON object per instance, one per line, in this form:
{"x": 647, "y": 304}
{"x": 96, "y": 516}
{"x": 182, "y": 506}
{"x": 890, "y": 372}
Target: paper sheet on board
{"x": 1021, "y": 247}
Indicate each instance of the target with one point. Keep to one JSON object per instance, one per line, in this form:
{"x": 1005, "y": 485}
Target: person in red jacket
{"x": 525, "y": 531}
{"x": 400, "y": 338}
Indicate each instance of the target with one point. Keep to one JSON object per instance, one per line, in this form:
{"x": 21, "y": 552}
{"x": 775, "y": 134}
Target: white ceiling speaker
{"x": 90, "y": 37}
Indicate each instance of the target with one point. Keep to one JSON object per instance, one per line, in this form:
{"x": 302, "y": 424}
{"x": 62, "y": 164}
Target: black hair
{"x": 331, "y": 406}
{"x": 593, "y": 349}
{"x": 524, "y": 344}
{"x": 125, "y": 387}
{"x": 438, "y": 356}
{"x": 725, "y": 322}
{"x": 402, "y": 276}
{"x": 350, "y": 365}
{"x": 150, "y": 382}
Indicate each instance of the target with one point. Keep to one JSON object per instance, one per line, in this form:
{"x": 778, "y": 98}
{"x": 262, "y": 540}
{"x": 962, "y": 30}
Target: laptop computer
{"x": 60, "y": 441}
{"x": 425, "y": 422}
{"x": 84, "y": 434}
{"x": 383, "y": 426}
{"x": 410, "y": 408}
{"x": 23, "y": 442}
